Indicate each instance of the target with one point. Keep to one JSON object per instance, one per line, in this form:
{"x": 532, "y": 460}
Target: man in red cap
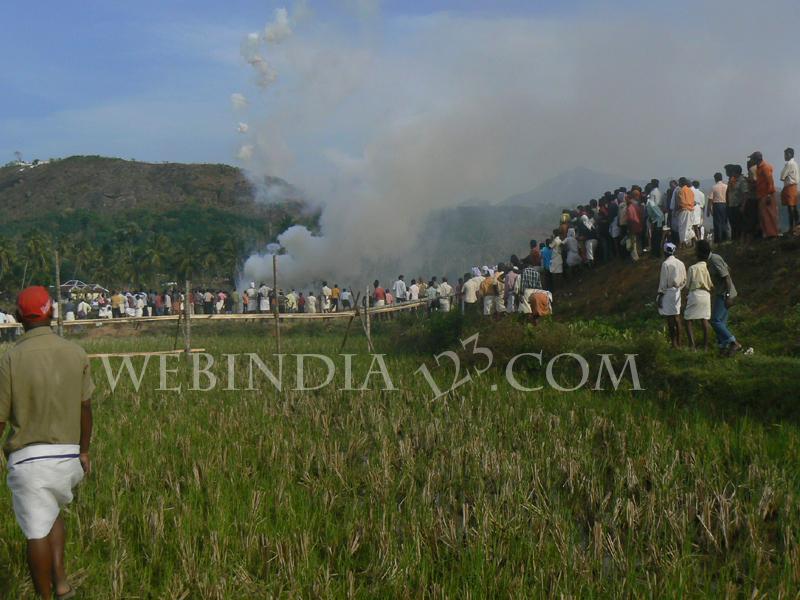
{"x": 45, "y": 392}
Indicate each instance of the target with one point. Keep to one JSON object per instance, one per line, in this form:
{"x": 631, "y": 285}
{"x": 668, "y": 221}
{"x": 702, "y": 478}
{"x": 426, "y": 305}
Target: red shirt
{"x": 380, "y": 294}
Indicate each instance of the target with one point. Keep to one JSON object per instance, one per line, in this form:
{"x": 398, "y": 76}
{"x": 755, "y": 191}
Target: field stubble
{"x": 392, "y": 494}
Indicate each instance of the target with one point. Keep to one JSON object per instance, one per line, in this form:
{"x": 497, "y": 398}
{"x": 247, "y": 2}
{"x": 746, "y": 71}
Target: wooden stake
{"x": 350, "y": 322}
{"x": 275, "y": 295}
{"x": 367, "y": 327}
{"x": 187, "y": 321}
{"x": 60, "y": 326}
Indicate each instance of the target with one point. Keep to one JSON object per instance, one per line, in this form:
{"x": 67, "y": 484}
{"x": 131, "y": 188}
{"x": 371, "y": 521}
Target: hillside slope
{"x": 100, "y": 184}
{"x": 765, "y": 274}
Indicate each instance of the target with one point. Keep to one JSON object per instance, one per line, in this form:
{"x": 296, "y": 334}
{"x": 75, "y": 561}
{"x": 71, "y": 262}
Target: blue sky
{"x": 147, "y": 79}
{"x": 97, "y": 76}
{"x": 152, "y": 81}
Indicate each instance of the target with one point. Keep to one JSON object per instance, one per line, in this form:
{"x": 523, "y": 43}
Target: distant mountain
{"x": 110, "y": 185}
{"x": 570, "y": 188}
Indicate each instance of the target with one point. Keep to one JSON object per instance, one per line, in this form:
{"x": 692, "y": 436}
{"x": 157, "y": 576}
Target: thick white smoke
{"x": 382, "y": 130}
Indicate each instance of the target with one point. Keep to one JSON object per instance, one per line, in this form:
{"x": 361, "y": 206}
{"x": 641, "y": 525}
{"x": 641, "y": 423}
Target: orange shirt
{"x": 765, "y": 184}
{"x": 686, "y": 198}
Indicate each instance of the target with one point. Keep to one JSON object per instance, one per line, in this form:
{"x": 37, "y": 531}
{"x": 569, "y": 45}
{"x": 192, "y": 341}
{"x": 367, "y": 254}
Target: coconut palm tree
{"x": 38, "y": 250}
{"x": 8, "y": 253}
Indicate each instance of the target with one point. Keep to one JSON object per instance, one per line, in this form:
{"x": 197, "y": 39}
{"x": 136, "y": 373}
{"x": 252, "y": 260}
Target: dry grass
{"x": 387, "y": 494}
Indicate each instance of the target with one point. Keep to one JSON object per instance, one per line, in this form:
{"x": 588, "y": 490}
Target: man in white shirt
{"x": 670, "y": 284}
{"x": 311, "y": 303}
{"x": 345, "y": 297}
{"x": 413, "y": 290}
{"x": 445, "y": 294}
{"x": 717, "y": 208}
{"x": 399, "y": 289}
{"x": 656, "y": 195}
{"x": 326, "y": 297}
{"x": 470, "y": 291}
{"x": 252, "y": 305}
{"x": 699, "y": 210}
{"x": 790, "y": 175}
{"x": 84, "y": 309}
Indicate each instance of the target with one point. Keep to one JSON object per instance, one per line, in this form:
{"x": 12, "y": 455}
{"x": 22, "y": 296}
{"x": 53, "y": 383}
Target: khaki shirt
{"x": 43, "y": 381}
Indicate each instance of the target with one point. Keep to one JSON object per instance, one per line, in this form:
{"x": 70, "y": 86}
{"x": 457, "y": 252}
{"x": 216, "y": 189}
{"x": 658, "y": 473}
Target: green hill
{"x": 118, "y": 221}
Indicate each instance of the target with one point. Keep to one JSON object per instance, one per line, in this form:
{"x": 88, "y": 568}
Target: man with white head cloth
{"x": 45, "y": 393}
{"x": 670, "y": 284}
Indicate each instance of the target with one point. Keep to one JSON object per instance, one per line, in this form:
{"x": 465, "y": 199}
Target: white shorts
{"x": 444, "y": 304}
{"x": 380, "y": 303}
{"x": 41, "y": 479}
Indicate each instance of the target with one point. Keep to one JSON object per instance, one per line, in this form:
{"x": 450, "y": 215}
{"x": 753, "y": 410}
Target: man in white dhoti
{"x": 670, "y": 284}
{"x": 45, "y": 392}
{"x": 445, "y": 295}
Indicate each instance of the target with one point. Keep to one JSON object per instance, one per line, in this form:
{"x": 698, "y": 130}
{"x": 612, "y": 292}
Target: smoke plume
{"x": 382, "y": 121}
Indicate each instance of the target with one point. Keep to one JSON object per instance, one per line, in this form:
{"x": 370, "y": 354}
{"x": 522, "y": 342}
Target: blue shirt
{"x": 547, "y": 256}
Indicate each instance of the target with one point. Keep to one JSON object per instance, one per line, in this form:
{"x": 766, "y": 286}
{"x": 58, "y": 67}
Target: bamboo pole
{"x": 350, "y": 322}
{"x": 367, "y": 326}
{"x": 156, "y": 353}
{"x": 60, "y": 322}
{"x": 187, "y": 321}
{"x": 275, "y": 295}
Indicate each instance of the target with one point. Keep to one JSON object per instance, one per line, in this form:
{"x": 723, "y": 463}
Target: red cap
{"x": 34, "y": 304}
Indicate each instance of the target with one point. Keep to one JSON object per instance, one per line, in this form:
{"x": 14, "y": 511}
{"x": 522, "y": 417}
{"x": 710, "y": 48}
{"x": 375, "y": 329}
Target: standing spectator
{"x": 724, "y": 296}
{"x": 718, "y": 209}
{"x": 635, "y": 225}
{"x": 698, "y": 303}
{"x": 737, "y": 193}
{"x": 685, "y": 206}
{"x": 790, "y": 175}
{"x": 655, "y": 218}
{"x": 378, "y": 294}
{"x": 236, "y": 301}
{"x": 445, "y": 295}
{"x": 45, "y": 395}
{"x": 488, "y": 291}
{"x": 670, "y": 284}
{"x": 346, "y": 299}
{"x": 400, "y": 291}
{"x": 765, "y": 193}
{"x": 326, "y": 297}
{"x": 699, "y": 210}
{"x": 413, "y": 290}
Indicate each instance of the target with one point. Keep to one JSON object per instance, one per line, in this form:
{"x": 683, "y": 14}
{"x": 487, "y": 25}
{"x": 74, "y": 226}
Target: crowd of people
{"x": 626, "y": 224}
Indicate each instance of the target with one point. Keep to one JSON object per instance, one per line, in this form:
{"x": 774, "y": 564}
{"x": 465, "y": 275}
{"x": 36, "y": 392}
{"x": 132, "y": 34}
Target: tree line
{"x": 142, "y": 250}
